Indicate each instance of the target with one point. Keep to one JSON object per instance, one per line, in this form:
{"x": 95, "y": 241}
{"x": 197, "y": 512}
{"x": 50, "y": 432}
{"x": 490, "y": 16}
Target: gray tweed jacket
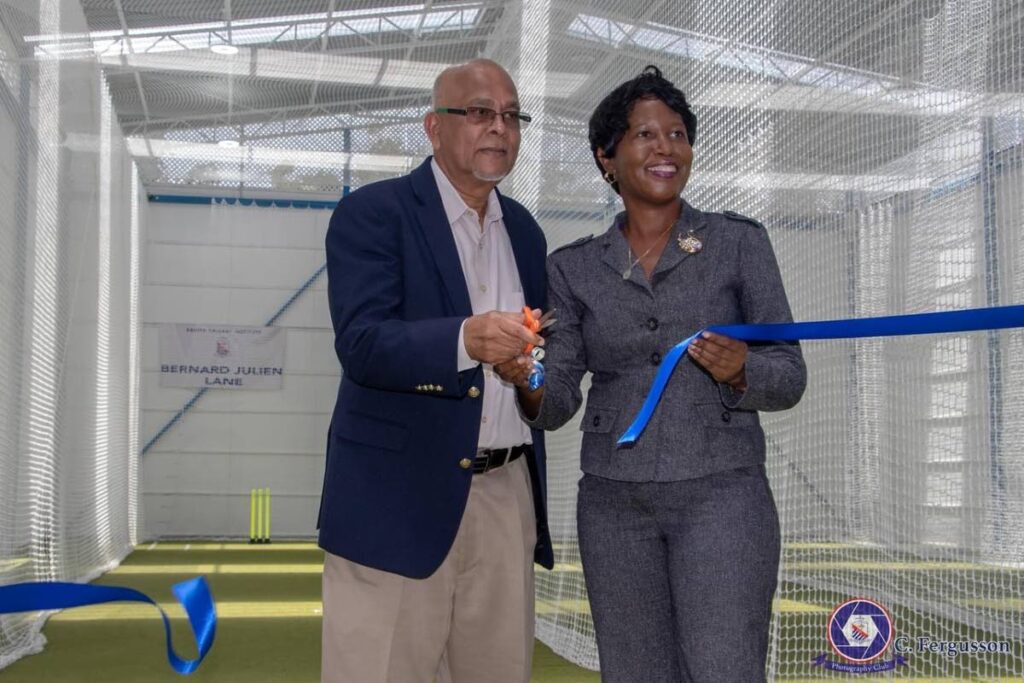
{"x": 619, "y": 330}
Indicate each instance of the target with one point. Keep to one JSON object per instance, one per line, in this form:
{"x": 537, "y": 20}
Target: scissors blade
{"x": 548, "y": 323}
{"x": 546, "y": 317}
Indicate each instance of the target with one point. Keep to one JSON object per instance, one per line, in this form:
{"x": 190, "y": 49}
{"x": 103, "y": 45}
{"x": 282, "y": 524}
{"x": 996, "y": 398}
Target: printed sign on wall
{"x": 221, "y": 356}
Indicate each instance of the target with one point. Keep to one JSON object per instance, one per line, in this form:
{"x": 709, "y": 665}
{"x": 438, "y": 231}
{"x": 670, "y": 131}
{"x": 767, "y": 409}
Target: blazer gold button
{"x": 465, "y": 463}
{"x": 474, "y": 392}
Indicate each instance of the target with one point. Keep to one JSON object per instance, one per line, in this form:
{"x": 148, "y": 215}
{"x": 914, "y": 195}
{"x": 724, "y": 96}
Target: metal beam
{"x": 138, "y": 77}
{"x": 231, "y": 80}
{"x": 867, "y": 29}
{"x": 414, "y": 43}
{"x": 610, "y": 56}
{"x": 988, "y": 179}
{"x": 600, "y": 43}
{"x": 324, "y": 40}
{"x": 191, "y": 36}
{"x": 420, "y": 98}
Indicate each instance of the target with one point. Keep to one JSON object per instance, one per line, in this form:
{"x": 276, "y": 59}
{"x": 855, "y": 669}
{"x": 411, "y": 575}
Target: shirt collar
{"x": 454, "y": 206}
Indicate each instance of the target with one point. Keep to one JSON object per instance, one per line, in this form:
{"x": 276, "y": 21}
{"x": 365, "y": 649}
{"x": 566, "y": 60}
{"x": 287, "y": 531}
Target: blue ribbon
{"x": 970, "y": 320}
{"x": 194, "y": 595}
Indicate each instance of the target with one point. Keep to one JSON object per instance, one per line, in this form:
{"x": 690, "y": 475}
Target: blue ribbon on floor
{"x": 194, "y": 595}
{"x": 996, "y": 318}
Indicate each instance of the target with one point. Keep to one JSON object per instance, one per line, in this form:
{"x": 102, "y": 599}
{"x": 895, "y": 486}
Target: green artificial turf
{"x": 102, "y": 646}
{"x": 268, "y": 601}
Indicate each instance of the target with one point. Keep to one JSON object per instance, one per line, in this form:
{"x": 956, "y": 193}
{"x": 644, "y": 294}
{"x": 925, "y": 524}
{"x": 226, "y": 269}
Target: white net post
{"x": 68, "y": 244}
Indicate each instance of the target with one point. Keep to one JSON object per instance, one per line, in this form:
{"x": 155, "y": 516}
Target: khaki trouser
{"x": 469, "y": 622}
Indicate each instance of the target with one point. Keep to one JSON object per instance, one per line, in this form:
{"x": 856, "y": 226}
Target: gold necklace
{"x": 628, "y": 272}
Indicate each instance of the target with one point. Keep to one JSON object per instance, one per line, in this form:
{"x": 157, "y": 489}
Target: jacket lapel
{"x": 615, "y": 250}
{"x": 691, "y": 220}
{"x": 434, "y": 223}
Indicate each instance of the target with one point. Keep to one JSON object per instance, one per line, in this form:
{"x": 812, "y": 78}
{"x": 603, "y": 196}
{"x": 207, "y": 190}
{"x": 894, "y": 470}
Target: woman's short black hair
{"x": 610, "y": 119}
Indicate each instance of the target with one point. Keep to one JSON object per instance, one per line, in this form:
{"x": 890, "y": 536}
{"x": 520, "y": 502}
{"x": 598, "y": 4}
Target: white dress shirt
{"x": 489, "y": 266}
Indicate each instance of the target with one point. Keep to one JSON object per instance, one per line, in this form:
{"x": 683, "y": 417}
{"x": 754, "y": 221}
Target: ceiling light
{"x": 224, "y": 49}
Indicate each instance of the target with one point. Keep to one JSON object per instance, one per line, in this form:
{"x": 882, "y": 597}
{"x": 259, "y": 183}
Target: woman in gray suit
{"x": 679, "y": 535}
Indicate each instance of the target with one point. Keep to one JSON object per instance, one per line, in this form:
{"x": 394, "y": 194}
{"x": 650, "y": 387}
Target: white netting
{"x": 880, "y": 143}
{"x": 69, "y": 248}
{"x": 881, "y": 146}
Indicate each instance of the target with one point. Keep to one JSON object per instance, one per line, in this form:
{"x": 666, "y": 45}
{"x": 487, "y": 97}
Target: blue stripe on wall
{"x": 262, "y": 203}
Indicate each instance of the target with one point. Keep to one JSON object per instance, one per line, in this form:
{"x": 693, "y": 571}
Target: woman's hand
{"x": 723, "y": 357}
{"x": 515, "y": 371}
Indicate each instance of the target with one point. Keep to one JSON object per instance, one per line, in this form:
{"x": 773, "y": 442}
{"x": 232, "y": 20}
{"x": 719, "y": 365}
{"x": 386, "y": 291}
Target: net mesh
{"x": 879, "y": 142}
{"x": 69, "y": 248}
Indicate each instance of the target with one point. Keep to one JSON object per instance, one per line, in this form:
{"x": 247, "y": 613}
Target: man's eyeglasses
{"x": 476, "y": 115}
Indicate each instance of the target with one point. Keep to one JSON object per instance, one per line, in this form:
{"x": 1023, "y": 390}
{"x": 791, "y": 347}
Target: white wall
{"x": 236, "y": 265}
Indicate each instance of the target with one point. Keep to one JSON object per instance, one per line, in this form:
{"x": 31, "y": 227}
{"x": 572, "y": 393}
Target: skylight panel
{"x": 259, "y": 31}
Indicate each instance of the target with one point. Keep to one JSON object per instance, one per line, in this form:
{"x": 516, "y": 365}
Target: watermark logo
{"x": 860, "y": 631}
{"x": 949, "y": 648}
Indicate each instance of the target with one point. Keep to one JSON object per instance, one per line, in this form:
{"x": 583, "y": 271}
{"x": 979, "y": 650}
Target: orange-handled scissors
{"x": 532, "y": 324}
{"x": 535, "y": 324}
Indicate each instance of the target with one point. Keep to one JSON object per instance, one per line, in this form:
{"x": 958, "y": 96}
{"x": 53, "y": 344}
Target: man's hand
{"x": 495, "y": 337}
{"x": 725, "y": 358}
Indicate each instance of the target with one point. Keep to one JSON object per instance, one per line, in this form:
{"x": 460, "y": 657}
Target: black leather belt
{"x": 488, "y": 459}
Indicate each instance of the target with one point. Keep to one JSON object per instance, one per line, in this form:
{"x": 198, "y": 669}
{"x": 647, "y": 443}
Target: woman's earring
{"x": 609, "y": 177}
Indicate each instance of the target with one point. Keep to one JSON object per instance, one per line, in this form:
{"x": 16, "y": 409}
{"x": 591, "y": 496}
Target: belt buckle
{"x": 504, "y": 461}
{"x": 492, "y": 462}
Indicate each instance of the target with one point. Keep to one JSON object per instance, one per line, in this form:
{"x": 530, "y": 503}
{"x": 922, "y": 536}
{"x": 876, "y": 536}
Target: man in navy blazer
{"x": 433, "y": 506}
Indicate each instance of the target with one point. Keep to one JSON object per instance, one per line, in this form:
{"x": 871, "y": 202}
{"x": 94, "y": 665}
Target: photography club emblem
{"x": 860, "y": 631}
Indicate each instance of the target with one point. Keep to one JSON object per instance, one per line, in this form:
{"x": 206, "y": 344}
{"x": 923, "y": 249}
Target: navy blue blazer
{"x": 394, "y": 491}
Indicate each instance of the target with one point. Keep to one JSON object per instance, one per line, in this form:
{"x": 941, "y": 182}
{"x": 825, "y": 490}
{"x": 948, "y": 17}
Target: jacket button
{"x": 597, "y": 420}
{"x": 473, "y": 392}
{"x": 465, "y": 463}
{"x": 726, "y": 416}
{"x": 655, "y": 358}
{"x": 652, "y": 324}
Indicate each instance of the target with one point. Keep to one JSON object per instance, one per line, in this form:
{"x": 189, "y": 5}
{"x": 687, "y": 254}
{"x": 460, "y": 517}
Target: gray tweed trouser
{"x": 681, "y": 576}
